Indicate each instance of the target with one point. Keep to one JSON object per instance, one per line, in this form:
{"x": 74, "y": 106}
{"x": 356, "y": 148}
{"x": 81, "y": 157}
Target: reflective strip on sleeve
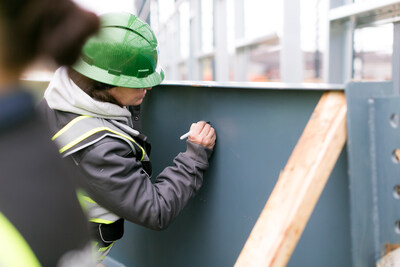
{"x": 105, "y": 248}
{"x": 84, "y": 128}
{"x": 88, "y": 199}
{"x": 103, "y": 252}
{"x": 95, "y": 212}
{"x": 103, "y": 221}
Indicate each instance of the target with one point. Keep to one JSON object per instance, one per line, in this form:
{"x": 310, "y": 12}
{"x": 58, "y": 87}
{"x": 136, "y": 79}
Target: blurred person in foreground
{"x": 41, "y": 221}
{"x": 93, "y": 109}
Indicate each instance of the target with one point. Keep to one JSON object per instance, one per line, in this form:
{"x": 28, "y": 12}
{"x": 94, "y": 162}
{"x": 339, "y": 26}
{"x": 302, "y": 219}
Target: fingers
{"x": 212, "y": 137}
{"x": 198, "y": 127}
{"x": 203, "y": 134}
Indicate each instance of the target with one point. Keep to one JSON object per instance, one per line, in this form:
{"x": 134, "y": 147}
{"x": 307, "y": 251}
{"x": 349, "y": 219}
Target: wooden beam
{"x": 286, "y": 213}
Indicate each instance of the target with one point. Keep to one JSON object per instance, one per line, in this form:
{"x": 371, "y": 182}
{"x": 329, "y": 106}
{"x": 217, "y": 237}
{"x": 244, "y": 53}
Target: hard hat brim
{"x": 121, "y": 80}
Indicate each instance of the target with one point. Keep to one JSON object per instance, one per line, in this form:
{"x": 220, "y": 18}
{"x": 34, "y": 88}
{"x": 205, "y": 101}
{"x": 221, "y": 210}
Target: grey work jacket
{"x": 115, "y": 178}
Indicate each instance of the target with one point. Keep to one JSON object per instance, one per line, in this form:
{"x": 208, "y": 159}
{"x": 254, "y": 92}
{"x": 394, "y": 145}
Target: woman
{"x": 41, "y": 222}
{"x": 93, "y": 111}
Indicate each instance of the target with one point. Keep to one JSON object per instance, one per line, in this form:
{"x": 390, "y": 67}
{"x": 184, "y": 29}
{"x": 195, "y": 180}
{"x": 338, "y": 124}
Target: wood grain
{"x": 286, "y": 213}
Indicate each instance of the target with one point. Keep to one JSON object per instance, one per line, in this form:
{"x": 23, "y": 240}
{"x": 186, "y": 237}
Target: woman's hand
{"x": 203, "y": 134}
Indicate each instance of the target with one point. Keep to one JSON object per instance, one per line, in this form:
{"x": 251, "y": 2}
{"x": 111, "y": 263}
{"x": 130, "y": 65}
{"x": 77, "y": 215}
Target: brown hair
{"x": 54, "y": 28}
{"x": 96, "y": 90}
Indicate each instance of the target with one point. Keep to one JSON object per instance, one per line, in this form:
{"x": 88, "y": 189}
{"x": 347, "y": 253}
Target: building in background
{"x": 279, "y": 41}
{"x": 294, "y": 41}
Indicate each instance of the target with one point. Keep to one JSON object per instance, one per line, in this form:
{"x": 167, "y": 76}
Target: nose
{"x": 148, "y": 88}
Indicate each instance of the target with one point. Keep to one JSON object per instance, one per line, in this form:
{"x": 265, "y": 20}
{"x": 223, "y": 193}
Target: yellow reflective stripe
{"x": 143, "y": 153}
{"x": 92, "y": 132}
{"x": 98, "y": 220}
{"x": 83, "y": 199}
{"x": 87, "y": 134}
{"x": 105, "y": 248}
{"x": 88, "y": 199}
{"x": 14, "y": 250}
{"x": 69, "y": 125}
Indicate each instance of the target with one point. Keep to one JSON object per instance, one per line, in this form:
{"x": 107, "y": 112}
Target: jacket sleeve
{"x": 117, "y": 182}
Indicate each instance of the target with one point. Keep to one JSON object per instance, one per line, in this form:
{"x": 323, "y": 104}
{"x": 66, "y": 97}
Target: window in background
{"x": 184, "y": 26}
{"x": 207, "y": 69}
{"x": 373, "y": 49}
{"x": 264, "y": 62}
{"x": 183, "y": 71}
{"x": 313, "y": 18}
{"x": 263, "y": 26}
{"x": 207, "y": 30}
{"x": 168, "y": 48}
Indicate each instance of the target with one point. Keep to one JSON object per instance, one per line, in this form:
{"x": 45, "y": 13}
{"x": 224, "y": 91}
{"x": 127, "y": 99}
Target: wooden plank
{"x": 286, "y": 213}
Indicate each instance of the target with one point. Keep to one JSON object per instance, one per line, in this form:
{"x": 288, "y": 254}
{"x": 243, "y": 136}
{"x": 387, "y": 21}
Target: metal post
{"x": 291, "y": 57}
{"x": 396, "y": 58}
{"x": 241, "y": 57}
{"x": 220, "y": 37}
{"x": 339, "y": 55}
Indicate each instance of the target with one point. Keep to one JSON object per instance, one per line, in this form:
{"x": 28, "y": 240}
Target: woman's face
{"x": 128, "y": 96}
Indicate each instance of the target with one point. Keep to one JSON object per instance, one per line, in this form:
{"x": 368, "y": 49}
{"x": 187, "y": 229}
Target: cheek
{"x": 136, "y": 97}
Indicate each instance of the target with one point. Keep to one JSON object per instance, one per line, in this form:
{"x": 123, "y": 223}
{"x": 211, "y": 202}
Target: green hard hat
{"x": 124, "y": 53}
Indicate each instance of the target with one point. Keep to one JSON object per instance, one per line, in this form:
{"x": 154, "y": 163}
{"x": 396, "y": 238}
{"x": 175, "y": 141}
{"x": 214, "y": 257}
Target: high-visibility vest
{"x": 84, "y": 131}
{"x": 14, "y": 250}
